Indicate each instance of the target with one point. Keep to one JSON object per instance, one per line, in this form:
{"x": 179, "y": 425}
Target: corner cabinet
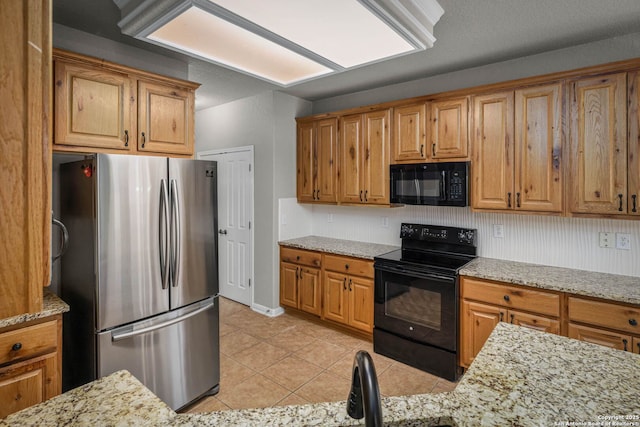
{"x": 30, "y": 364}
{"x": 25, "y": 159}
{"x": 364, "y": 158}
{"x": 106, "y": 107}
{"x": 317, "y": 153}
{"x": 517, "y": 142}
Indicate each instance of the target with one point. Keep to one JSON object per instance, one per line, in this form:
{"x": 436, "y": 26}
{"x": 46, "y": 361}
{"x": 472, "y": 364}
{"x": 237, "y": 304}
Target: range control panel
{"x": 437, "y": 233}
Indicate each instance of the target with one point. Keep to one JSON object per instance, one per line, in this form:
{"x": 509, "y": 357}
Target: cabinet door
{"x": 599, "y": 145}
{"x": 288, "y": 284}
{"x": 409, "y": 136}
{"x": 538, "y": 147}
{"x": 94, "y": 108}
{"x": 351, "y": 151}
{"x": 448, "y": 133}
{"x": 28, "y": 383}
{"x": 25, "y": 155}
{"x": 492, "y": 141}
{"x": 633, "y": 162}
{"x": 532, "y": 321}
{"x": 306, "y": 169}
{"x": 361, "y": 303}
{"x": 636, "y": 345}
{"x": 477, "y": 323}
{"x": 165, "y": 119}
{"x": 309, "y": 290}
{"x": 326, "y": 149}
{"x": 601, "y": 337}
{"x": 376, "y": 157}
{"x": 335, "y": 297}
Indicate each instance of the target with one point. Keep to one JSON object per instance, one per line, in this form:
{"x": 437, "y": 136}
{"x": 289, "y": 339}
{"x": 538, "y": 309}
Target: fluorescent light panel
{"x": 343, "y": 31}
{"x": 213, "y": 38}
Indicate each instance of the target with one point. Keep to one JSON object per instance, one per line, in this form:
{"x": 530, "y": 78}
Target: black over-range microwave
{"x": 438, "y": 184}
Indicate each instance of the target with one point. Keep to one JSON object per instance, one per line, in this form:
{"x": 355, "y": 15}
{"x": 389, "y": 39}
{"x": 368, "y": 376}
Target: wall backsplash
{"x": 556, "y": 241}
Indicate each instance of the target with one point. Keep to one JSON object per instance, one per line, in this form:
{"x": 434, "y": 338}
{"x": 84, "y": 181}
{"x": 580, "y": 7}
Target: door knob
{"x": 221, "y": 231}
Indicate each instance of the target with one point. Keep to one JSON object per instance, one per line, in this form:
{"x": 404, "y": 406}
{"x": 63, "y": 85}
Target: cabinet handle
{"x": 433, "y": 150}
{"x": 144, "y": 140}
{"x": 501, "y": 316}
{"x": 297, "y": 272}
{"x": 365, "y": 195}
{"x": 506, "y": 298}
{"x": 17, "y": 346}
{"x": 511, "y": 321}
{"x": 633, "y": 322}
{"x": 421, "y": 150}
{"x": 624, "y": 341}
{"x": 508, "y": 200}
{"x": 349, "y": 285}
{"x": 126, "y": 138}
{"x": 344, "y": 284}
{"x": 620, "y": 207}
{"x": 633, "y": 209}
{"x": 518, "y": 199}
{"x": 360, "y": 195}
{"x": 317, "y": 194}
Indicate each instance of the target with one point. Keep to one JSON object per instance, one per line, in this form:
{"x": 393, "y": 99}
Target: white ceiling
{"x": 469, "y": 34}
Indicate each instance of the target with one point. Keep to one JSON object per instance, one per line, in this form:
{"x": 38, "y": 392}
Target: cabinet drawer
{"x": 348, "y": 265}
{"x": 511, "y": 296}
{"x": 609, "y": 315}
{"x": 29, "y": 341}
{"x": 301, "y": 257}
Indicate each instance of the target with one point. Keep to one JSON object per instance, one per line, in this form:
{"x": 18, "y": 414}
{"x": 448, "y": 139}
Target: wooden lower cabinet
{"x": 289, "y": 284}
{"x": 601, "y": 337}
{"x": 335, "y": 297}
{"x": 361, "y": 303}
{"x": 636, "y": 345}
{"x": 532, "y": 321}
{"x": 478, "y": 320}
{"x": 30, "y": 364}
{"x": 300, "y": 287}
{"x": 348, "y": 300}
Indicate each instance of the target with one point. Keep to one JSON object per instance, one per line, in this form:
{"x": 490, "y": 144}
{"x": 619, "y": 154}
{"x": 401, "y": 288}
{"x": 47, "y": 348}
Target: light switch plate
{"x": 498, "y": 231}
{"x": 606, "y": 240}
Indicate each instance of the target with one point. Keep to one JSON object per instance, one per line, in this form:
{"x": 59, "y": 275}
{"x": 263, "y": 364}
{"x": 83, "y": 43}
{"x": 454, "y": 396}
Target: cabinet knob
{"x": 298, "y": 258}
{"x": 506, "y": 298}
{"x": 17, "y": 346}
{"x": 346, "y": 266}
{"x": 633, "y": 322}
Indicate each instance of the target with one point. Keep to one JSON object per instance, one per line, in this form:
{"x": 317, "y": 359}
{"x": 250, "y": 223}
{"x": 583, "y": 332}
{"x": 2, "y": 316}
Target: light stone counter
{"x": 613, "y": 287}
{"x": 51, "y": 305}
{"x": 520, "y": 377}
{"x": 339, "y": 246}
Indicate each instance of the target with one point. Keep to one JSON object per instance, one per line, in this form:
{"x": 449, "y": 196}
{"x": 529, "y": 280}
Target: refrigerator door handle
{"x": 133, "y": 333}
{"x": 163, "y": 236}
{"x": 175, "y": 234}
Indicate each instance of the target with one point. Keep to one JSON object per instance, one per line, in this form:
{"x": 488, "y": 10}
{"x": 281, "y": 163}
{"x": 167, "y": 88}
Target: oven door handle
{"x": 415, "y": 273}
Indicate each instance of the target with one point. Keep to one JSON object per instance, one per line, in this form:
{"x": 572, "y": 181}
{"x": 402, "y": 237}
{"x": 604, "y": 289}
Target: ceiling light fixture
{"x": 285, "y": 42}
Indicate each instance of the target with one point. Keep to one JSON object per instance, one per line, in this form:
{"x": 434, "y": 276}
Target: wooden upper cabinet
{"x": 25, "y": 159}
{"x": 317, "y": 147}
{"x": 538, "y": 148}
{"x": 409, "y": 138}
{"x": 165, "y": 118}
{"x": 448, "y": 130}
{"x": 493, "y": 151}
{"x": 633, "y": 164}
{"x": 598, "y": 116}
{"x": 364, "y": 158}
{"x": 94, "y": 108}
{"x": 110, "y": 108}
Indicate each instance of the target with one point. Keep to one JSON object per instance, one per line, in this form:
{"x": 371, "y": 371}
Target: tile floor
{"x": 288, "y": 360}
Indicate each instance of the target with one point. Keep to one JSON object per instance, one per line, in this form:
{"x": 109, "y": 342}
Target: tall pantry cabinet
{"x": 25, "y": 162}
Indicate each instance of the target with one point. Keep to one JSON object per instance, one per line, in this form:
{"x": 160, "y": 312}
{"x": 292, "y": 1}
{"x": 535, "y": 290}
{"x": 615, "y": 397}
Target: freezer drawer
{"x": 175, "y": 355}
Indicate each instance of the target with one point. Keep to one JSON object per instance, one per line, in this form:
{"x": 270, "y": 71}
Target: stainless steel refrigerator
{"x": 141, "y": 274}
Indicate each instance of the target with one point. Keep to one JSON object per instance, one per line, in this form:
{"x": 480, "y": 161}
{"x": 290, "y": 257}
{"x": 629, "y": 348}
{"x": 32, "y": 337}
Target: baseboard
{"x": 270, "y": 312}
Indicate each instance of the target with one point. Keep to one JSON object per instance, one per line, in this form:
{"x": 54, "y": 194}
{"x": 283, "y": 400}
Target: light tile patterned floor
{"x": 288, "y": 360}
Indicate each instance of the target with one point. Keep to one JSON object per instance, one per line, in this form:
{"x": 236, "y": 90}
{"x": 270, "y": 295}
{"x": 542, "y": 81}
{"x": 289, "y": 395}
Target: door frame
{"x": 202, "y": 155}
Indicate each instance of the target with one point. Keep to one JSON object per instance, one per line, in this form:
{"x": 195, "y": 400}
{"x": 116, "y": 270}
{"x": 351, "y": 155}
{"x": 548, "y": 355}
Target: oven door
{"x": 417, "y": 305}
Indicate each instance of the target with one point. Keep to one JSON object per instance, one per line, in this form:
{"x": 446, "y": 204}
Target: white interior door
{"x": 235, "y": 219}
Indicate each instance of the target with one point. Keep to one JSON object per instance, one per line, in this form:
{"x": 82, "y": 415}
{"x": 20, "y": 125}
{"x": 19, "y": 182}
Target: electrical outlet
{"x": 385, "y": 222}
{"x": 606, "y": 240}
{"x": 330, "y": 217}
{"x": 498, "y": 231}
{"x": 623, "y": 241}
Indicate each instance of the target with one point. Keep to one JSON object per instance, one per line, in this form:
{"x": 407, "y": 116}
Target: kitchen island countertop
{"x": 520, "y": 377}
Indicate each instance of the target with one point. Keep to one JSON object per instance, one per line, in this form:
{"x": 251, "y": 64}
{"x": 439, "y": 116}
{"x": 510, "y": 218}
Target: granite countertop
{"x": 625, "y": 289}
{"x": 520, "y": 377}
{"x": 339, "y": 246}
{"x": 51, "y": 305}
